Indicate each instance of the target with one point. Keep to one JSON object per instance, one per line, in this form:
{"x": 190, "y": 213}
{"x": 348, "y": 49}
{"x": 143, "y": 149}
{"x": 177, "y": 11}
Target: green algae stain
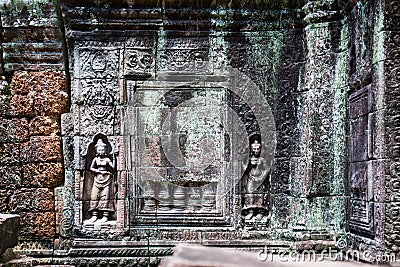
{"x": 34, "y": 7}
{"x": 340, "y": 116}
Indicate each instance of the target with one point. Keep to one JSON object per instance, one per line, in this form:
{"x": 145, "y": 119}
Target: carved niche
{"x": 180, "y": 168}
{"x": 100, "y": 183}
{"x": 255, "y": 188}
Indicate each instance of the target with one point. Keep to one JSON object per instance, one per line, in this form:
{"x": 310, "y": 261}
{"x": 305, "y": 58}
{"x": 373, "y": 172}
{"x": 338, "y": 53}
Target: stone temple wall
{"x": 34, "y": 94}
{"x": 76, "y": 73}
{"x": 367, "y": 157}
{"x": 387, "y": 66}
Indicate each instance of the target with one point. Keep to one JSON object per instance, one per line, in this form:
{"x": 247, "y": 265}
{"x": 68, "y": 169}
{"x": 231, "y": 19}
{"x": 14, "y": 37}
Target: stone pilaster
{"x": 318, "y": 180}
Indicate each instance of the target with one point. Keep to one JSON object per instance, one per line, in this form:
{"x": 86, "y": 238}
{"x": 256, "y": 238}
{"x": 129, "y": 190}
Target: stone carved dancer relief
{"x": 102, "y": 191}
{"x": 255, "y": 195}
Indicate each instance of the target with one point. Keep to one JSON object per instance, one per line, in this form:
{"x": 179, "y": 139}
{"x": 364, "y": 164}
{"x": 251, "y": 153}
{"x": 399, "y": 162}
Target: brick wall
{"x": 30, "y": 148}
{"x": 33, "y": 94}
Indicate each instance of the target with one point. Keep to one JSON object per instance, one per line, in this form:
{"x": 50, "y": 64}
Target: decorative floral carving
{"x": 138, "y": 61}
{"x": 184, "y": 60}
{"x": 98, "y": 73}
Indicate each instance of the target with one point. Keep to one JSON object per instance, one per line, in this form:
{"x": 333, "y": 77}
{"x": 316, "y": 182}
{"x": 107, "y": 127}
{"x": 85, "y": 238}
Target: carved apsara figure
{"x": 255, "y": 195}
{"x": 101, "y": 200}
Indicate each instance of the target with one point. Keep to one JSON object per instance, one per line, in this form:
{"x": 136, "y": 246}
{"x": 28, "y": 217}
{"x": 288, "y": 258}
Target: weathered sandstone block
{"x": 9, "y": 228}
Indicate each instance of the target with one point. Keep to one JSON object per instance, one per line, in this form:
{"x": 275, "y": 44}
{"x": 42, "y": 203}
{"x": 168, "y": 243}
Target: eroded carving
{"x": 139, "y": 60}
{"x": 184, "y": 60}
{"x": 98, "y": 75}
{"x": 255, "y": 195}
{"x": 100, "y": 181}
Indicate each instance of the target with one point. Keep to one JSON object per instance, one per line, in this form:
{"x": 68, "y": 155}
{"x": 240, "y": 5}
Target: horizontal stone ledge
{"x": 189, "y": 4}
{"x": 164, "y": 242}
{"x": 32, "y": 36}
{"x": 11, "y": 67}
{"x": 34, "y": 56}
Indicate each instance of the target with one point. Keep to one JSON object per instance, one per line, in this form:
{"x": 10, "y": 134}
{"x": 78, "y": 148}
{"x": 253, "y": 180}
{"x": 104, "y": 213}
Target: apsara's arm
{"x": 110, "y": 163}
{"x": 93, "y": 165}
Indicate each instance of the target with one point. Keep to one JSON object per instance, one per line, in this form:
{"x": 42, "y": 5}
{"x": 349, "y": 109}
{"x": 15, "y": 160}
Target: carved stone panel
{"x": 177, "y": 169}
{"x": 184, "y": 55}
{"x": 139, "y": 57}
{"x": 98, "y": 77}
{"x": 361, "y": 178}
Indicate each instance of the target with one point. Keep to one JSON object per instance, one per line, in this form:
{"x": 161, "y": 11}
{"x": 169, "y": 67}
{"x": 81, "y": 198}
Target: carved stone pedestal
{"x": 105, "y": 227}
{"x": 146, "y": 247}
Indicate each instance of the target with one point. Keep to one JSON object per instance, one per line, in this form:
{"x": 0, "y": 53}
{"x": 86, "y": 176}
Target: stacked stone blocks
{"x": 30, "y": 145}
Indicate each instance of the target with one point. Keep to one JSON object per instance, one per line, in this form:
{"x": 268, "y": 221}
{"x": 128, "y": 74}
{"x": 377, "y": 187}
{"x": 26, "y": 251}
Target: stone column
{"x": 318, "y": 180}
{"x": 390, "y": 68}
{"x": 366, "y": 167}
